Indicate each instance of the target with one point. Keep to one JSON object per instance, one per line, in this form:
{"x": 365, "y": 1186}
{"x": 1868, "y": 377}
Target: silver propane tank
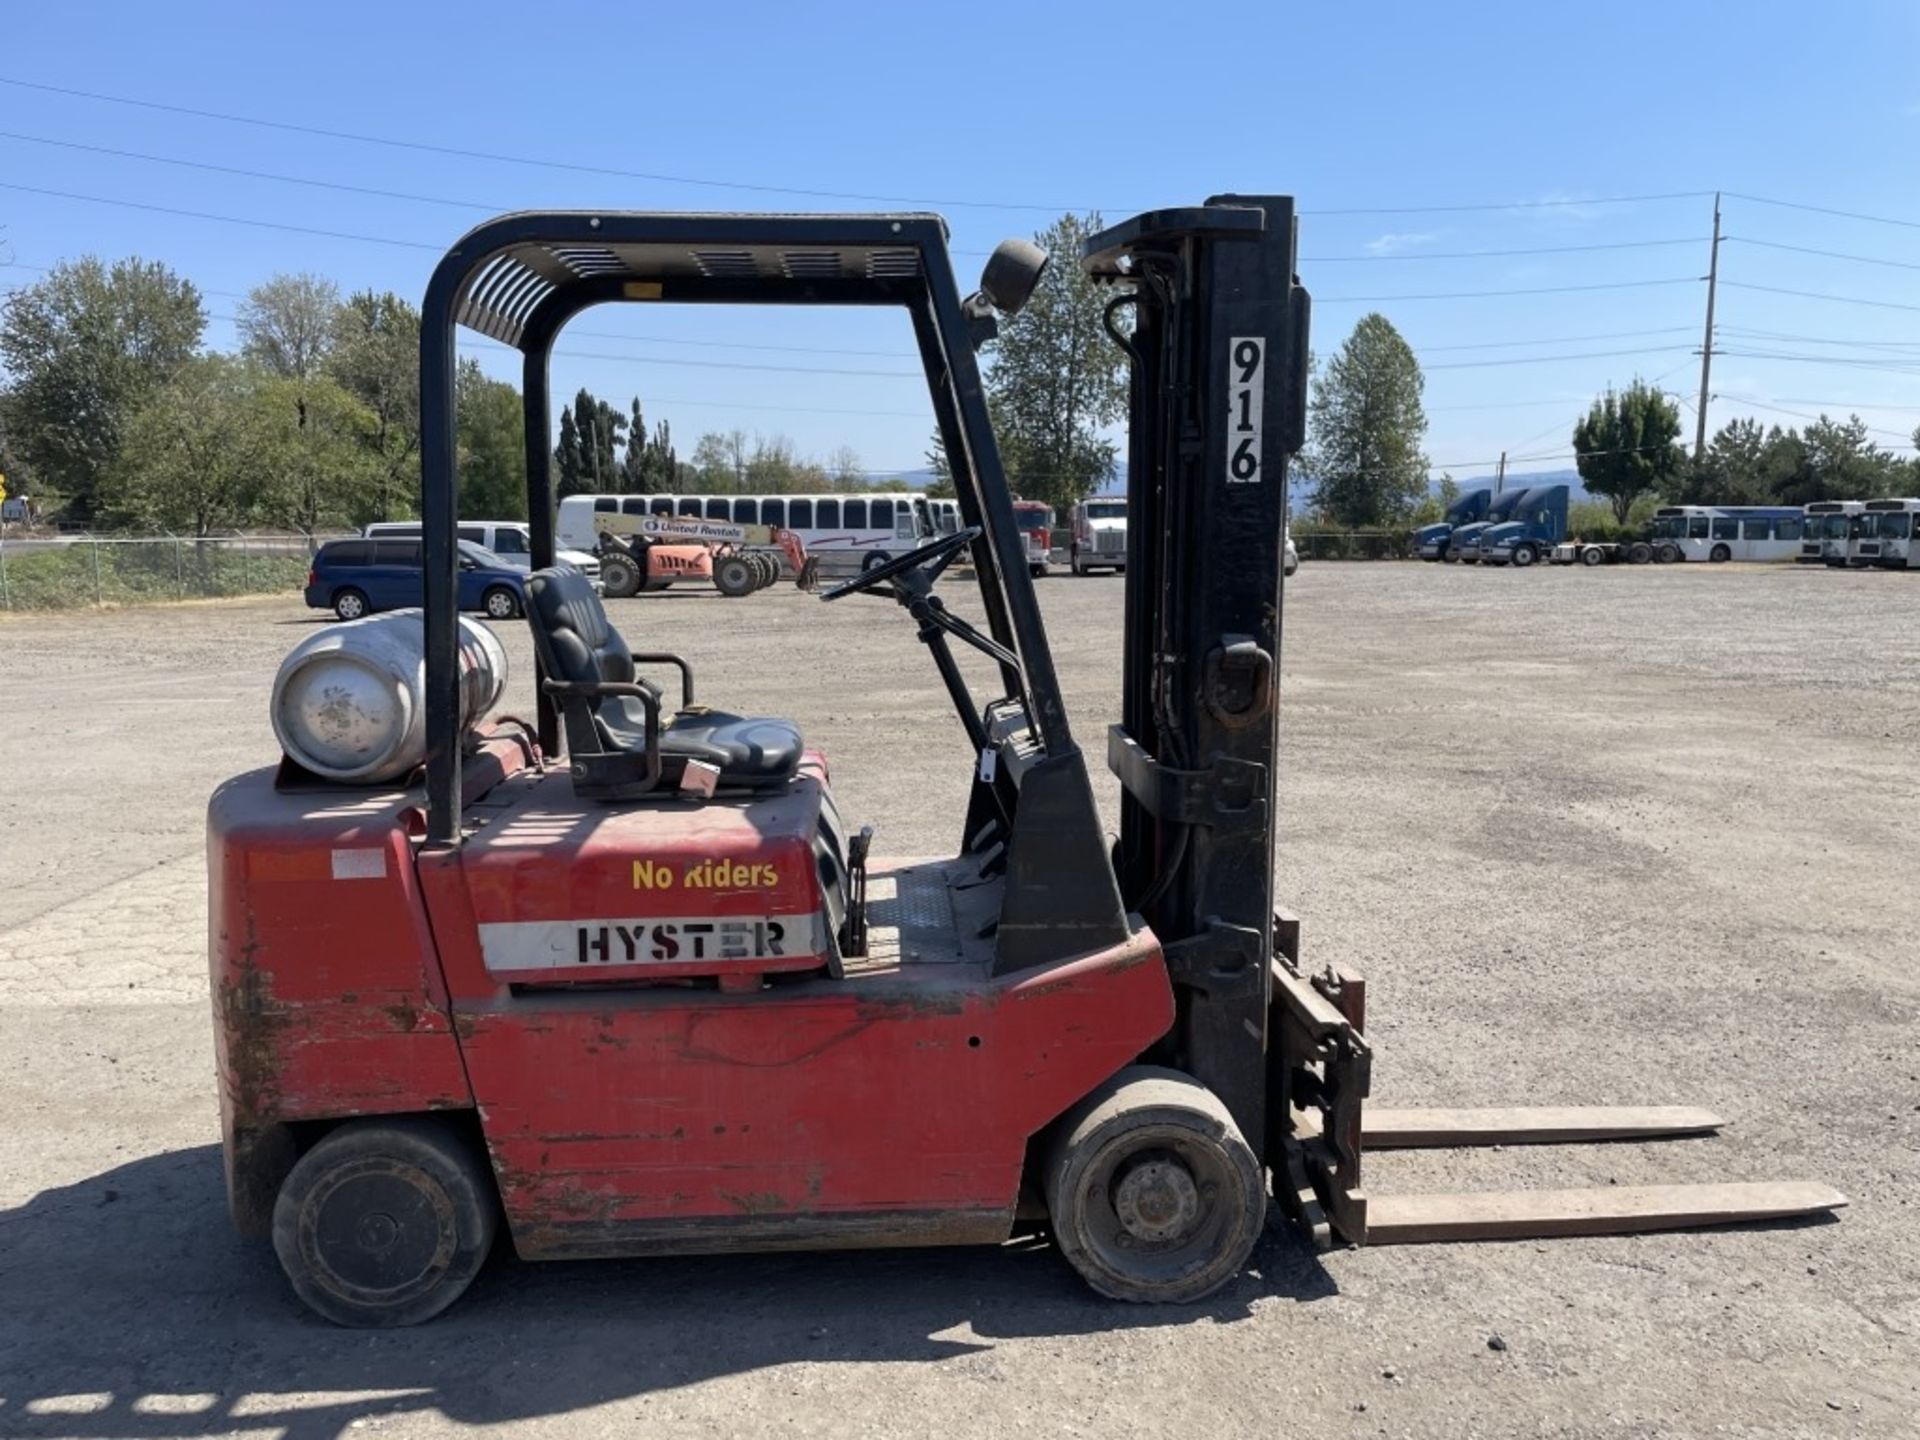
{"x": 349, "y": 703}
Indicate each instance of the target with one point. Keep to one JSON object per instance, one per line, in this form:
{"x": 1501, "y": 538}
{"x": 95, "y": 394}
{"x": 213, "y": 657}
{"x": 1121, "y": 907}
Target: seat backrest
{"x": 575, "y": 642}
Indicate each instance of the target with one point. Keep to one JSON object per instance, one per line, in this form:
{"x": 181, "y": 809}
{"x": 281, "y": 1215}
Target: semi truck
{"x": 1537, "y": 524}
{"x": 1433, "y": 541}
{"x": 1464, "y": 544}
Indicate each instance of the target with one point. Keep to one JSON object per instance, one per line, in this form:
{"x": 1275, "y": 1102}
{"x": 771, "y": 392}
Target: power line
{"x": 1823, "y": 210}
{"x": 1551, "y": 359}
{"x": 1820, "y": 339}
{"x": 496, "y": 157}
{"x": 1831, "y": 360}
{"x": 1552, "y": 340}
{"x": 223, "y": 219}
{"x": 1816, "y": 295}
{"x": 259, "y": 174}
{"x": 1829, "y": 254}
{"x": 1480, "y": 294}
{"x": 1489, "y": 254}
{"x": 1560, "y": 204}
{"x": 548, "y": 163}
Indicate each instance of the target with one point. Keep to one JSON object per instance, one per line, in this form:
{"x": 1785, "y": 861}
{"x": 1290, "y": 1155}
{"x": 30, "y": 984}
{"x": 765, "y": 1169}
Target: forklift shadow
{"x": 135, "y": 1313}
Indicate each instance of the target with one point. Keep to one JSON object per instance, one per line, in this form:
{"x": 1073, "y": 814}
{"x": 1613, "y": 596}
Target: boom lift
{"x": 657, "y": 997}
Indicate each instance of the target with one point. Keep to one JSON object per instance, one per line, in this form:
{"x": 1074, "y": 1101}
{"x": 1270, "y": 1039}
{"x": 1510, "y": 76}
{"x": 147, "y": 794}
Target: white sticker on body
{"x": 1246, "y": 400}
{"x": 366, "y": 864}
{"x": 583, "y": 945}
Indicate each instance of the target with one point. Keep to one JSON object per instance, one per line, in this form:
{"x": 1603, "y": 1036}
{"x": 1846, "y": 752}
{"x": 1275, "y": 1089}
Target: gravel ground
{"x": 1642, "y": 836}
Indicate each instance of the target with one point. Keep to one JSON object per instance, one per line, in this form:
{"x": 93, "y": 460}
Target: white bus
{"x": 946, "y": 516}
{"x": 1727, "y": 532}
{"x": 847, "y": 533}
{"x": 1888, "y": 534}
{"x": 1830, "y": 529}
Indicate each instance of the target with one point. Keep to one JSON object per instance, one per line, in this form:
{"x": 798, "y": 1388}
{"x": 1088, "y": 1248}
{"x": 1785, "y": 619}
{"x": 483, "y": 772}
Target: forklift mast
{"x": 1218, "y": 344}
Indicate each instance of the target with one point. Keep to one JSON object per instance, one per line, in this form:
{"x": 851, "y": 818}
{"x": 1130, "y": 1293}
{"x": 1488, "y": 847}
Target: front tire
{"x": 351, "y": 604}
{"x": 619, "y": 577}
{"x": 385, "y": 1223}
{"x": 500, "y": 603}
{"x": 734, "y": 576}
{"x": 1524, "y": 555}
{"x": 1720, "y": 554}
{"x": 1154, "y": 1194}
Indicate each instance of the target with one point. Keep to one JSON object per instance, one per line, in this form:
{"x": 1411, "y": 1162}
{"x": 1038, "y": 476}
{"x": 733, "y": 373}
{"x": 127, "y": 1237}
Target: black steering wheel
{"x": 934, "y": 557}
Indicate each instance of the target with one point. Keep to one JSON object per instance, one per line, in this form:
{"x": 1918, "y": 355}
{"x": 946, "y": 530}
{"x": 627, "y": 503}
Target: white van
{"x": 511, "y": 540}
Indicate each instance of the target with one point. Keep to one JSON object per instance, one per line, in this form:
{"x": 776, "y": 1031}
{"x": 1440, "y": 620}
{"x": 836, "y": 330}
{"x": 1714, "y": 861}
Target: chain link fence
{"x": 1354, "y": 544}
{"x": 40, "y": 571}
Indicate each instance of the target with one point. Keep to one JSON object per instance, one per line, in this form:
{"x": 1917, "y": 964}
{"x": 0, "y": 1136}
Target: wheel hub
{"x": 377, "y": 1232}
{"x": 1157, "y": 1200}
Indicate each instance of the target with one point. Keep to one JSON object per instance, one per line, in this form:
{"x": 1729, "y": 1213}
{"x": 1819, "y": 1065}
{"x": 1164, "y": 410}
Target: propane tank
{"x": 349, "y": 703}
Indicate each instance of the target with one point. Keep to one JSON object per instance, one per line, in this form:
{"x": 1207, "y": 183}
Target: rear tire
{"x": 500, "y": 603}
{"x": 734, "y": 576}
{"x": 385, "y": 1222}
{"x": 1154, "y": 1195}
{"x": 1640, "y": 553}
{"x": 1720, "y": 554}
{"x": 351, "y": 604}
{"x": 1667, "y": 554}
{"x": 1592, "y": 555}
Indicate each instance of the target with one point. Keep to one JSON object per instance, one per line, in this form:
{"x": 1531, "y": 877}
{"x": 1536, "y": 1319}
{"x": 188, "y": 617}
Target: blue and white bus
{"x": 1727, "y": 532}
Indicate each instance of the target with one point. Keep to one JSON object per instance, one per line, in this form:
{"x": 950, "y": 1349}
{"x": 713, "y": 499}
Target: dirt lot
{"x": 1616, "y": 835}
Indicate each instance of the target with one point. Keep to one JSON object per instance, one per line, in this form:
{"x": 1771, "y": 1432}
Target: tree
{"x": 85, "y": 349}
{"x": 941, "y": 486}
{"x": 192, "y": 459}
{"x": 598, "y": 430}
{"x": 1733, "y": 470}
{"x": 843, "y": 469}
{"x": 1364, "y": 459}
{"x": 317, "y": 470}
{"x": 286, "y": 324}
{"x": 375, "y": 357}
{"x": 634, "y": 469}
{"x": 570, "y": 473}
{"x": 1844, "y": 464}
{"x": 662, "y": 461}
{"x": 1626, "y": 448}
{"x": 1057, "y": 379}
{"x": 493, "y": 459}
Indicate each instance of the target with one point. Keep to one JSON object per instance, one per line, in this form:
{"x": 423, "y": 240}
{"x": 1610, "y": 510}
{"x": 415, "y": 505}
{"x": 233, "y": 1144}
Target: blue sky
{"x": 1021, "y": 111}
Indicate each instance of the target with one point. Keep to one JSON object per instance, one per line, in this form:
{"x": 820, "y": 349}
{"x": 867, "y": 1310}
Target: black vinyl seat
{"x": 617, "y": 744}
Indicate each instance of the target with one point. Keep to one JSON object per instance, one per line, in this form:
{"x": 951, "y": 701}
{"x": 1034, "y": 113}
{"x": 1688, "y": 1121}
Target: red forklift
{"x": 620, "y": 976}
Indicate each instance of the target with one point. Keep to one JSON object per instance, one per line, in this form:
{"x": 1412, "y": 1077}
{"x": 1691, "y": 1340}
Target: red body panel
{"x": 894, "y": 1105}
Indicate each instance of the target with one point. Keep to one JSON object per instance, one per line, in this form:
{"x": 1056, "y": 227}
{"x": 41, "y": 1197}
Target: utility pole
{"x": 1706, "y": 346}
{"x": 1500, "y": 475}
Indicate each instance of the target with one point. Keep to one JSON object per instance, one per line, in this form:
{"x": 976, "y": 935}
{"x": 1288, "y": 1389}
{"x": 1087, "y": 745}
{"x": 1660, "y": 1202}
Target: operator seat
{"x": 606, "y": 706}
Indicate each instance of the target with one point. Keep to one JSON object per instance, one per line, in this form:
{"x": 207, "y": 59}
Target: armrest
{"x": 615, "y": 769}
{"x": 686, "y": 673}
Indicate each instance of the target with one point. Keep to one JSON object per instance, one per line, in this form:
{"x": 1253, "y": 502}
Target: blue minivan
{"x": 357, "y": 577}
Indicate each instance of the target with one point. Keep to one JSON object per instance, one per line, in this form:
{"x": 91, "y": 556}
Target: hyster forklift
{"x": 620, "y": 975}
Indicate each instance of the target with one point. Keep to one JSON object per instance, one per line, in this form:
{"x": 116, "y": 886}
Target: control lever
{"x": 857, "y": 848}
